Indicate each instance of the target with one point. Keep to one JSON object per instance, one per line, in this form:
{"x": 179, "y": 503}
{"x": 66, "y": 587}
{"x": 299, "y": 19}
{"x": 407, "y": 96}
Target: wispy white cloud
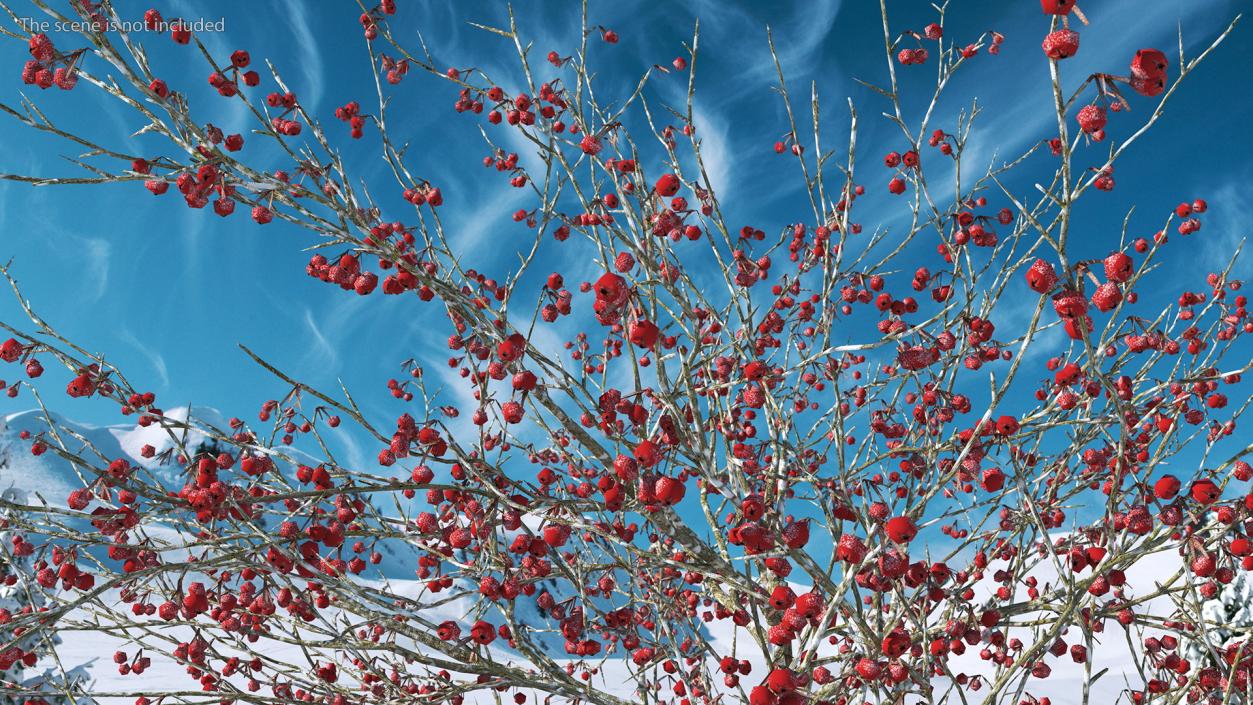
{"x": 714, "y": 134}
{"x": 93, "y": 257}
{"x": 490, "y": 218}
{"x": 352, "y": 448}
{"x": 805, "y": 33}
{"x": 98, "y": 252}
{"x": 310, "y": 55}
{"x": 1228, "y": 223}
{"x": 326, "y": 328}
{"x": 321, "y": 353}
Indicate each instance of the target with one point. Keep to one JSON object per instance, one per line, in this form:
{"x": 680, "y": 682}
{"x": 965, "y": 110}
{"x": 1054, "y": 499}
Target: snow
{"x": 52, "y": 478}
{"x": 131, "y": 440}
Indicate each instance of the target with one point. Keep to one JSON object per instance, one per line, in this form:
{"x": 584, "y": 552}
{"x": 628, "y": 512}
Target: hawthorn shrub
{"x": 770, "y": 463}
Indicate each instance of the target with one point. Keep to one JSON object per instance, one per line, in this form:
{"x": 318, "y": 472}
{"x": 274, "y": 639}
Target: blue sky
{"x": 168, "y": 292}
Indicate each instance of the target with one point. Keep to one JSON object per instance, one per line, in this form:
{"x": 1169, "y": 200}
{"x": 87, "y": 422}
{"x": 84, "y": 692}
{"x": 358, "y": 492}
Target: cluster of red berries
{"x": 894, "y": 160}
{"x": 558, "y": 299}
{"x": 1187, "y": 213}
{"x": 370, "y": 19}
{"x": 508, "y": 163}
{"x": 281, "y": 124}
{"x": 393, "y": 71}
{"x": 424, "y": 194}
{"x": 351, "y": 113}
{"x": 49, "y": 67}
{"x": 907, "y": 56}
{"x": 229, "y": 86}
{"x": 345, "y": 272}
{"x": 128, "y": 666}
{"x": 64, "y": 569}
{"x": 11, "y": 351}
{"x": 208, "y": 181}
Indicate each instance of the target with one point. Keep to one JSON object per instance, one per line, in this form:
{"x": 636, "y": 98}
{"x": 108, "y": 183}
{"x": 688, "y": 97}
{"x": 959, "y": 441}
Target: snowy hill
{"x": 53, "y": 478}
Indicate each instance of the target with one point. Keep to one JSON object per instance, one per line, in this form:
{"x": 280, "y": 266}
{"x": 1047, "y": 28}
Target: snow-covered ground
{"x": 51, "y": 479}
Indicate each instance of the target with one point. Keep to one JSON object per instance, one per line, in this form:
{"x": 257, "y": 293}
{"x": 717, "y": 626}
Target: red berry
{"x": 1041, "y": 277}
{"x": 667, "y": 185}
{"x": 1205, "y": 491}
{"x": 850, "y": 549}
{"x": 511, "y": 411}
{"x": 1091, "y": 118}
{"x": 1106, "y": 297}
{"x": 1061, "y": 44}
{"x": 1119, "y": 267}
{"x": 782, "y": 597}
{"x": 1057, "y": 7}
{"x": 10, "y": 350}
{"x": 669, "y": 490}
{"x": 1148, "y": 72}
{"x": 796, "y": 534}
{"x": 901, "y": 529}
{"x": 643, "y": 333}
{"x": 1070, "y": 304}
{"x": 647, "y": 454}
{"x": 1166, "y": 487}
{"x": 1007, "y": 425}
{"x": 262, "y": 215}
{"x": 992, "y": 480}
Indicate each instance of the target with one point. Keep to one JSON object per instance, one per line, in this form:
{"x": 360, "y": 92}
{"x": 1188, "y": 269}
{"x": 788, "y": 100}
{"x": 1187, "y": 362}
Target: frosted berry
{"x": 667, "y": 185}
{"x": 1091, "y": 118}
{"x": 901, "y": 529}
{"x": 850, "y": 549}
{"x": 1205, "y": 491}
{"x": 1041, "y": 277}
{"x": 1106, "y": 297}
{"x": 1070, "y": 304}
{"x": 1062, "y": 44}
{"x": 511, "y": 411}
{"x": 1119, "y": 267}
{"x": 1148, "y": 72}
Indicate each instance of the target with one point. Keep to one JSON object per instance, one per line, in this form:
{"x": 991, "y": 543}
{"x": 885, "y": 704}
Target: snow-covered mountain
{"x": 52, "y": 478}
